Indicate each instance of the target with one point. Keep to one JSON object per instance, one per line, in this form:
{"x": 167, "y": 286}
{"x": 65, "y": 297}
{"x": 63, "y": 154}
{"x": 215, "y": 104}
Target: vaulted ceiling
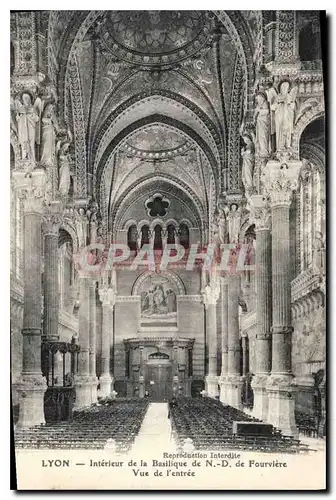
{"x": 154, "y": 95}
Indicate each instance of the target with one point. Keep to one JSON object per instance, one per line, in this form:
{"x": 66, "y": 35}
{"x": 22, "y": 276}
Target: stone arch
{"x": 237, "y": 27}
{"x": 174, "y": 104}
{"x": 134, "y": 188}
{"x": 200, "y": 142}
{"x": 304, "y": 120}
{"x": 67, "y": 226}
{"x": 171, "y": 276}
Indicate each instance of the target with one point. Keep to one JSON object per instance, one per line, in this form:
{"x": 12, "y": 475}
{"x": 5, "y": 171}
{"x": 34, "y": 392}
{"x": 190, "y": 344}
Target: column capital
{"x": 211, "y": 294}
{"x": 107, "y": 296}
{"x": 32, "y": 188}
{"x": 261, "y": 212}
{"x": 52, "y": 219}
{"x": 280, "y": 180}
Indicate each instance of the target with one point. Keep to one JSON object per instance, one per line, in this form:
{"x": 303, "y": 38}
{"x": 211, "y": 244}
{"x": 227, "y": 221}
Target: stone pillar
{"x": 92, "y": 339}
{"x": 107, "y": 296}
{"x": 175, "y": 371}
{"x": 210, "y": 297}
{"x": 141, "y": 373}
{"x": 82, "y": 380}
{"x": 32, "y": 385}
{"x": 263, "y": 278}
{"x": 51, "y": 225}
{"x": 280, "y": 182}
{"x": 235, "y": 381}
{"x": 224, "y": 326}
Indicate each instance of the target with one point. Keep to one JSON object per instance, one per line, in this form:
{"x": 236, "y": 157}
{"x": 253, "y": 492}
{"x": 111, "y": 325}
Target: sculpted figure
{"x": 262, "y": 119}
{"x": 48, "y": 135}
{"x": 63, "y": 168}
{"x": 27, "y": 124}
{"x": 247, "y": 154}
{"x": 283, "y": 106}
{"x": 234, "y": 223}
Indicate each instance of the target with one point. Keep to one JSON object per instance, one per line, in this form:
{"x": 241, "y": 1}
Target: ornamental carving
{"x": 280, "y": 180}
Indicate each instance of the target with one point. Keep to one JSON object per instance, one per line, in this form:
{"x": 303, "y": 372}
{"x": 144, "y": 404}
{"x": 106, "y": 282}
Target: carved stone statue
{"x": 48, "y": 136}
{"x": 283, "y": 106}
{"x": 234, "y": 223}
{"x": 247, "y": 154}
{"x": 63, "y": 168}
{"x": 27, "y": 124}
{"x": 262, "y": 117}
{"x": 222, "y": 227}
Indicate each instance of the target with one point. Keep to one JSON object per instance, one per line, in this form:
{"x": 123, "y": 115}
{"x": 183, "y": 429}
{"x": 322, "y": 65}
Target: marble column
{"x": 224, "y": 329}
{"x": 32, "y": 384}
{"x": 83, "y": 382}
{"x": 51, "y": 225}
{"x": 234, "y": 379}
{"x": 107, "y": 297}
{"x": 210, "y": 297}
{"x": 92, "y": 339}
{"x": 263, "y": 269}
{"x": 280, "y": 182}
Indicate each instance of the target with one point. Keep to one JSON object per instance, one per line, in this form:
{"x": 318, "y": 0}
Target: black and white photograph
{"x": 168, "y": 249}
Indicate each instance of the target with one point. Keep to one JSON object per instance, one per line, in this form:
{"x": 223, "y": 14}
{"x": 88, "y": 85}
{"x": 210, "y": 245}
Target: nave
{"x": 134, "y": 426}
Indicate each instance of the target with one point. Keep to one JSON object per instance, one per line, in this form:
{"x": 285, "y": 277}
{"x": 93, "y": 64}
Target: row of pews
{"x": 118, "y": 421}
{"x": 209, "y": 424}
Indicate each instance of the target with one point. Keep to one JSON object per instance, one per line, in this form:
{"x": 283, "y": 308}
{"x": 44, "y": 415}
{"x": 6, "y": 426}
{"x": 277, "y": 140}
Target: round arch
{"x": 167, "y": 274}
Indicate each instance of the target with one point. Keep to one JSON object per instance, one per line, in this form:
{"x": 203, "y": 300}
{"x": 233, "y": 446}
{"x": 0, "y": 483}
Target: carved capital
{"x": 211, "y": 294}
{"x": 52, "y": 218}
{"x": 261, "y": 212}
{"x": 107, "y": 296}
{"x": 280, "y": 180}
{"x": 32, "y": 188}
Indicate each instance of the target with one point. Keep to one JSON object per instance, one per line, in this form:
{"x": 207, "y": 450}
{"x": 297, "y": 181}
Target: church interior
{"x": 199, "y": 129}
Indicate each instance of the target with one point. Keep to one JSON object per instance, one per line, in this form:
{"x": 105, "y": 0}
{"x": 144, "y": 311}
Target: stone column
{"x": 175, "y": 371}
{"x": 107, "y": 296}
{"x": 210, "y": 297}
{"x": 51, "y": 225}
{"x": 224, "y": 304}
{"x": 234, "y": 379}
{"x": 32, "y": 385}
{"x": 82, "y": 380}
{"x": 280, "y": 182}
{"x": 141, "y": 373}
{"x": 92, "y": 339}
{"x": 263, "y": 269}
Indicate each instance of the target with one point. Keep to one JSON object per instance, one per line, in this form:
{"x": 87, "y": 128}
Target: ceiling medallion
{"x": 157, "y": 38}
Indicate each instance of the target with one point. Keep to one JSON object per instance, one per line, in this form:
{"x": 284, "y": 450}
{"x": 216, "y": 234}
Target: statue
{"x": 48, "y": 136}
{"x": 283, "y": 107}
{"x": 26, "y": 124}
{"x": 215, "y": 228}
{"x": 247, "y": 154}
{"x": 63, "y": 167}
{"x": 262, "y": 119}
{"x": 234, "y": 223}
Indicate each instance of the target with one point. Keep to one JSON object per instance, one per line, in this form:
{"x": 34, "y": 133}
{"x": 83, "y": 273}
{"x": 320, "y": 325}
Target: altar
{"x": 159, "y": 367}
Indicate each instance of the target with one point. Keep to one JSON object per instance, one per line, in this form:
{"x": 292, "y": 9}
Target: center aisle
{"x": 155, "y": 432}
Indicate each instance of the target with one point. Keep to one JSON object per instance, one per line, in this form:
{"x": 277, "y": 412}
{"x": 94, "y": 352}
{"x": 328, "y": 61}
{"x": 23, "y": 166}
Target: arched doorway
{"x": 158, "y": 377}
